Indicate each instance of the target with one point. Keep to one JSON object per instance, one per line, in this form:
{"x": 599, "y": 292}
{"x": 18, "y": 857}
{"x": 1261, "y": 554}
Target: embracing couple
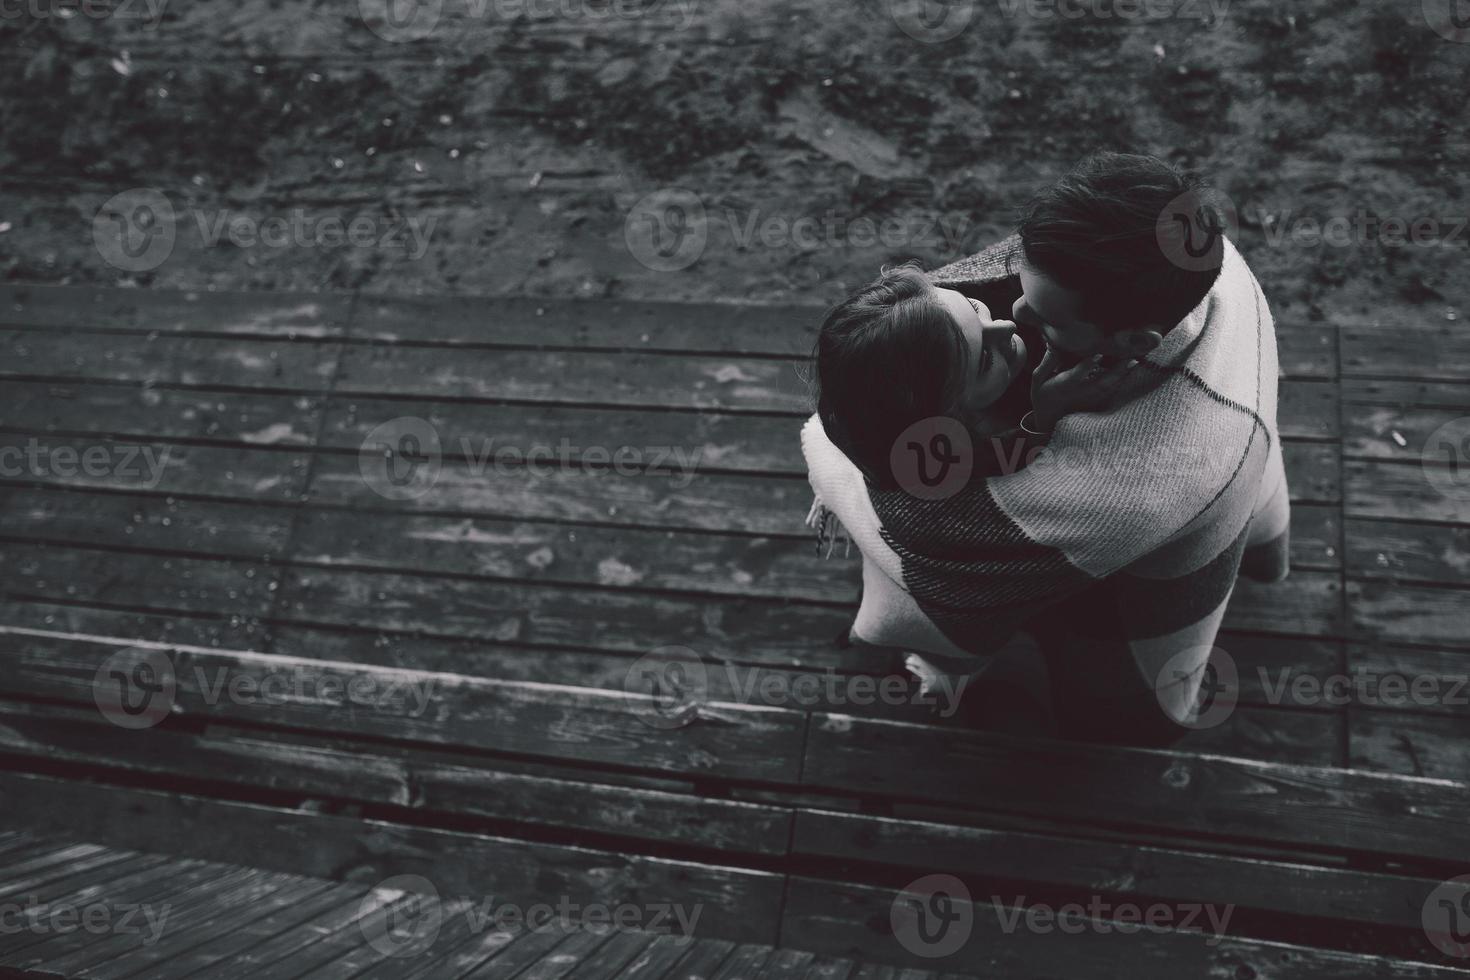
{"x": 1056, "y": 456}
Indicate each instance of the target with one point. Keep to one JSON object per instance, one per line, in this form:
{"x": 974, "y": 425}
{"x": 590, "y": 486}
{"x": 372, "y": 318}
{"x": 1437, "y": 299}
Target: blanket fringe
{"x": 829, "y": 529}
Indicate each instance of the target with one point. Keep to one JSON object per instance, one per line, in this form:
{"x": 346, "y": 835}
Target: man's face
{"x": 1056, "y": 311}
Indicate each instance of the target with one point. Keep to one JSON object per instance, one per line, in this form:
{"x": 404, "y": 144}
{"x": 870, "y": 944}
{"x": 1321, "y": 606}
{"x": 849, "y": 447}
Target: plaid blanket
{"x": 1127, "y": 531}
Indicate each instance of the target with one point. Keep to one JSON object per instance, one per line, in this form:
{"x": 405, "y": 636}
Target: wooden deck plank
{"x": 66, "y": 617}
{"x": 45, "y": 938}
{"x": 232, "y": 472}
{"x": 620, "y": 950}
{"x": 1431, "y": 351}
{"x": 485, "y": 433}
{"x": 145, "y": 522}
{"x": 710, "y": 501}
{"x": 1393, "y": 432}
{"x": 740, "y": 742}
{"x": 1331, "y": 809}
{"x": 408, "y": 778}
{"x": 1306, "y": 603}
{"x": 746, "y": 960}
{"x": 833, "y": 917}
{"x": 166, "y": 360}
{"x": 1433, "y": 615}
{"x": 1312, "y": 737}
{"x": 786, "y": 963}
{"x": 1411, "y": 743}
{"x": 738, "y": 628}
{"x": 1377, "y": 488}
{"x": 1106, "y": 867}
{"x": 605, "y": 324}
{"x": 1306, "y": 349}
{"x": 139, "y": 581}
{"x": 561, "y": 960}
{"x": 188, "y": 885}
{"x": 656, "y": 959}
{"x": 829, "y": 968}
{"x": 284, "y": 936}
{"x": 53, "y": 863}
{"x": 733, "y": 564}
{"x": 17, "y": 846}
{"x": 220, "y": 917}
{"x": 23, "y": 850}
{"x": 633, "y": 379}
{"x": 242, "y": 313}
{"x": 1417, "y": 679}
{"x": 160, "y": 414}
{"x": 726, "y": 383}
{"x": 70, "y": 875}
{"x": 349, "y": 953}
{"x": 518, "y": 955}
{"x": 1405, "y": 393}
{"x": 198, "y": 914}
{"x": 701, "y": 960}
{"x": 737, "y": 903}
{"x": 1407, "y": 551}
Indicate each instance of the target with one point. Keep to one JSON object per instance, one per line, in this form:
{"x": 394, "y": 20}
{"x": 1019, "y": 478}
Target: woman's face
{"x": 997, "y": 356}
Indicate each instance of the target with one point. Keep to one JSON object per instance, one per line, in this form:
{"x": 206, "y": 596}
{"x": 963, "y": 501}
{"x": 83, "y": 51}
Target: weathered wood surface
{"x": 235, "y": 921}
{"x": 529, "y": 596}
{"x": 227, "y": 921}
{"x": 263, "y": 401}
{"x": 853, "y": 920}
{"x": 413, "y": 778}
{"x": 750, "y": 742}
{"x": 1315, "y": 808}
{"x": 1318, "y": 810}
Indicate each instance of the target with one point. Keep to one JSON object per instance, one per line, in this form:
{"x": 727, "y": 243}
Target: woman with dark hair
{"x": 901, "y": 351}
{"x": 924, "y": 392}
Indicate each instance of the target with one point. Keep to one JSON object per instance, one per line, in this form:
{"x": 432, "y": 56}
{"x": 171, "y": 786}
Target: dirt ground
{"x": 766, "y": 150}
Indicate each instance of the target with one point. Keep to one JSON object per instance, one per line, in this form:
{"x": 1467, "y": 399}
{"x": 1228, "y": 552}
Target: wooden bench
{"x": 453, "y": 683}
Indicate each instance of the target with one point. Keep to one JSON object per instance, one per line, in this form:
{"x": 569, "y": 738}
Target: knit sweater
{"x": 1129, "y": 528}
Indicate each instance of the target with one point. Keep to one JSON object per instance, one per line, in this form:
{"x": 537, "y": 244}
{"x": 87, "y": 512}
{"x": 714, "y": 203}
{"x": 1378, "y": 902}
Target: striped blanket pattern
{"x": 1127, "y": 532}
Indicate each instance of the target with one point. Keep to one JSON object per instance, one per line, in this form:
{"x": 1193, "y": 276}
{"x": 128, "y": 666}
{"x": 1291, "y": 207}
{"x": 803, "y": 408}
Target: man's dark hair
{"x": 1140, "y": 241}
{"x": 886, "y": 357}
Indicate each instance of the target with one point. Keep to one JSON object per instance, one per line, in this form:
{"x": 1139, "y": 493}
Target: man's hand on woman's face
{"x": 1088, "y": 385}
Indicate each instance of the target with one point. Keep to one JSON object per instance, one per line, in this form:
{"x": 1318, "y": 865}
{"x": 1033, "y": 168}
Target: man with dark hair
{"x": 1115, "y": 254}
{"x": 1120, "y": 545}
